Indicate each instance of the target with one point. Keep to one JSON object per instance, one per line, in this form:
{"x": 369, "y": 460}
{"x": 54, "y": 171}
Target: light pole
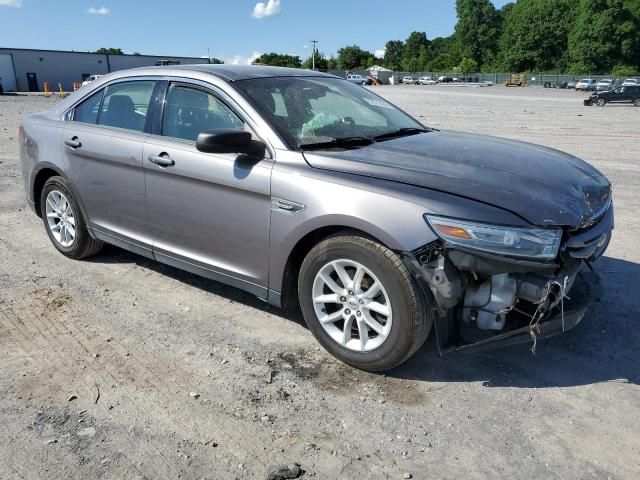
{"x": 313, "y": 54}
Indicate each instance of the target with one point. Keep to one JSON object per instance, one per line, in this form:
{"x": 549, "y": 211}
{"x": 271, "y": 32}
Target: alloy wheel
{"x": 60, "y": 218}
{"x": 352, "y": 305}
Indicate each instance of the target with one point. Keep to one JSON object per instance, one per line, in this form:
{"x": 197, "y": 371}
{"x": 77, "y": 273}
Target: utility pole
{"x": 313, "y": 54}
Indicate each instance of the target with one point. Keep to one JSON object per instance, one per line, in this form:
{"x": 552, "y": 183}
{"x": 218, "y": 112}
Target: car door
{"x": 209, "y": 213}
{"x": 103, "y": 144}
{"x": 631, "y": 93}
{"x": 618, "y": 95}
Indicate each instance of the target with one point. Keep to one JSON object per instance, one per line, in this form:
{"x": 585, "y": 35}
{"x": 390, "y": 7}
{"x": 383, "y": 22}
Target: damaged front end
{"x": 485, "y": 299}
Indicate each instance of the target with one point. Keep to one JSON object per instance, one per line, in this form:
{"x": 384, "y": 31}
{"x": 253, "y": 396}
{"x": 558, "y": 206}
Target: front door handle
{"x": 162, "y": 160}
{"x": 73, "y": 142}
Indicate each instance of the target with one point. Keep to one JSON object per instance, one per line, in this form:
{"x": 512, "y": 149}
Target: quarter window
{"x": 87, "y": 111}
{"x": 190, "y": 111}
{"x": 125, "y": 105}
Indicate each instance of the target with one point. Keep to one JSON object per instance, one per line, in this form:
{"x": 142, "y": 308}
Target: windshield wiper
{"x": 401, "y": 132}
{"x": 339, "y": 142}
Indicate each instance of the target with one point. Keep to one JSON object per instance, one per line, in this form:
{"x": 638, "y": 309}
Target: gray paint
{"x": 212, "y": 214}
{"x": 541, "y": 185}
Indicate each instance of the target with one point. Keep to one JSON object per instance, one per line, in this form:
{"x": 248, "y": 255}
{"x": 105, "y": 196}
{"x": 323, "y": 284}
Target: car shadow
{"x": 602, "y": 348}
{"x": 114, "y": 255}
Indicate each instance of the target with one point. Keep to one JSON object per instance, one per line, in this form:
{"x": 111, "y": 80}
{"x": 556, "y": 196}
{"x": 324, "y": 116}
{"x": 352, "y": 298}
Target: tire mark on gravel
{"x": 37, "y": 341}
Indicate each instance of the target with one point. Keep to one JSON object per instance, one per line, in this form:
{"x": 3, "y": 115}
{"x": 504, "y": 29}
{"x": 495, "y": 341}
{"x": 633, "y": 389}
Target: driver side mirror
{"x": 230, "y": 141}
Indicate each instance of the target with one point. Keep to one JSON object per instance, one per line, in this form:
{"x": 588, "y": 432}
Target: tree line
{"x": 559, "y": 36}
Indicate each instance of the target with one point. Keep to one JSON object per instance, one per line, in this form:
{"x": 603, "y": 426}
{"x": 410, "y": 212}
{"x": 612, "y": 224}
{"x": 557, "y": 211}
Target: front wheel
{"x": 361, "y": 303}
{"x": 601, "y": 102}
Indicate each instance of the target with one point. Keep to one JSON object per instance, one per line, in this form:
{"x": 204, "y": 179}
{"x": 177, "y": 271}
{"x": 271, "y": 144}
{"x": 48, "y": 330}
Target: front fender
{"x": 330, "y": 201}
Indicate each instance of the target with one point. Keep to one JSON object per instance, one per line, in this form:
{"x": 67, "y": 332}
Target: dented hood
{"x": 541, "y": 185}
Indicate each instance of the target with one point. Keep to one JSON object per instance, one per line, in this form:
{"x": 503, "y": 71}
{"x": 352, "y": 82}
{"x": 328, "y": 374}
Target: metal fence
{"x": 496, "y": 78}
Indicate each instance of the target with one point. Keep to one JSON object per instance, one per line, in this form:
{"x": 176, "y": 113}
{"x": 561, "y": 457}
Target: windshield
{"x": 316, "y": 110}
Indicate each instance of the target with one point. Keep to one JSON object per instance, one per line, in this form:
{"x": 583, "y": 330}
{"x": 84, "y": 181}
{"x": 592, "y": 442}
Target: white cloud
{"x": 269, "y": 9}
{"x": 379, "y": 53}
{"x": 240, "y": 60}
{"x": 11, "y": 3}
{"x": 98, "y": 11}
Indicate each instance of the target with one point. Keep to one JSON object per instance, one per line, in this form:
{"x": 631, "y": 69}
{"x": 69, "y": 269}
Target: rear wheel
{"x": 601, "y": 102}
{"x": 64, "y": 222}
{"x": 636, "y": 102}
{"x": 361, "y": 303}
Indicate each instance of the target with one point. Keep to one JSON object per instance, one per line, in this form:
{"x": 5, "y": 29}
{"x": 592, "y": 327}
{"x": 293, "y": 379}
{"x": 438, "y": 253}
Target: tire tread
{"x": 420, "y": 317}
{"x": 87, "y": 246}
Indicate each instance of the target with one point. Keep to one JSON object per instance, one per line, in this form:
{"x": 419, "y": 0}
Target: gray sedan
{"x": 317, "y": 195}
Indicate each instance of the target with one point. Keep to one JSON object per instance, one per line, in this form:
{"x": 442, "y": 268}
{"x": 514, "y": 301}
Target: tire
{"x": 601, "y": 102}
{"x": 407, "y": 325}
{"x": 636, "y": 102}
{"x": 81, "y": 245}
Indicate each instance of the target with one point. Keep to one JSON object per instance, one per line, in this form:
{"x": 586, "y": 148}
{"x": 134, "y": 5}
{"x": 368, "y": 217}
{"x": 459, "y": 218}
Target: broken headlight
{"x": 534, "y": 243}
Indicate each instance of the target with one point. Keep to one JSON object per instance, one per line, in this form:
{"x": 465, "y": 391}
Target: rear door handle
{"x": 163, "y": 160}
{"x": 73, "y": 142}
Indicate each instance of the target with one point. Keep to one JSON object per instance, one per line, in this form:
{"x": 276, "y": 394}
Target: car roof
{"x": 234, "y": 73}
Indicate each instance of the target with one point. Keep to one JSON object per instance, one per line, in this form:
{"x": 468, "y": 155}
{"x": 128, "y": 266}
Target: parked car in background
{"x": 604, "y": 85}
{"x": 561, "y": 85}
{"x": 629, "y": 82}
{"x": 572, "y": 84}
{"x": 313, "y": 193}
{"x": 426, "y": 81}
{"x": 357, "y": 79}
{"x": 622, "y": 94}
{"x": 408, "y": 80}
{"x": 90, "y": 78}
{"x": 444, "y": 79}
{"x": 586, "y": 84}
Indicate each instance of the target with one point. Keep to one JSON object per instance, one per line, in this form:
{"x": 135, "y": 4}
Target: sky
{"x": 236, "y": 31}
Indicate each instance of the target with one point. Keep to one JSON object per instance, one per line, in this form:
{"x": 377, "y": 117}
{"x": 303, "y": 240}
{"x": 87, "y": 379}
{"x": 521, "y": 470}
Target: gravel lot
{"x": 118, "y": 367}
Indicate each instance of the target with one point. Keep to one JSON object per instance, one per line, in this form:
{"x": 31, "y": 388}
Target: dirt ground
{"x": 121, "y": 368}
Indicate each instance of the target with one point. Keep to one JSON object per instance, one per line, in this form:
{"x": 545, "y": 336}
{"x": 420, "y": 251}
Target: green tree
{"x": 278, "y": 60}
{"x": 216, "y": 61}
{"x": 633, "y": 6}
{"x": 620, "y": 71}
{"x": 110, "y": 51}
{"x": 535, "y": 35}
{"x": 353, "y": 57}
{"x": 605, "y": 34}
{"x": 415, "y": 53}
{"x": 393, "y": 54}
{"x": 445, "y": 53}
{"x": 322, "y": 63}
{"x": 468, "y": 65}
{"x": 478, "y": 29}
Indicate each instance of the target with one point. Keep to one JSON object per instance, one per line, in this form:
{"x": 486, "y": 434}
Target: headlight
{"x": 535, "y": 243}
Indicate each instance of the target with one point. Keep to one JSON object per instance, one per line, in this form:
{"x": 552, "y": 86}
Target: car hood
{"x": 539, "y": 184}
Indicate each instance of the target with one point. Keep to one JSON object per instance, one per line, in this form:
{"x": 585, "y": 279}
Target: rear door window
{"x": 126, "y": 104}
{"x": 87, "y": 111}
